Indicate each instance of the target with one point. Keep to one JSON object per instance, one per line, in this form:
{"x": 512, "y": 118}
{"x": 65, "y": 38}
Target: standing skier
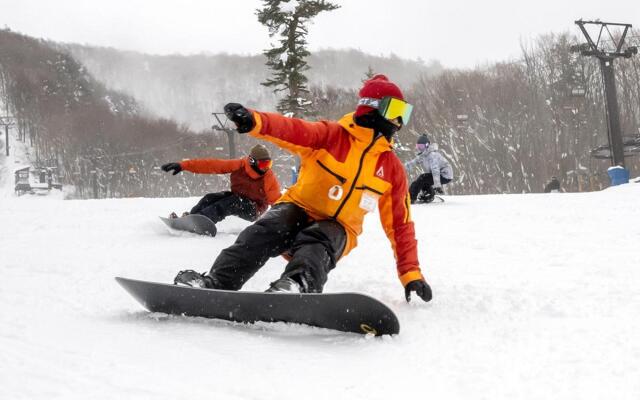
{"x": 437, "y": 172}
{"x": 254, "y": 186}
{"x": 348, "y": 168}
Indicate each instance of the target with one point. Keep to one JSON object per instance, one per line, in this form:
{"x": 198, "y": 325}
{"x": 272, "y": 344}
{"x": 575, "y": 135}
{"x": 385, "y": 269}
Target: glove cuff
{"x": 257, "y": 127}
{"x": 410, "y": 276}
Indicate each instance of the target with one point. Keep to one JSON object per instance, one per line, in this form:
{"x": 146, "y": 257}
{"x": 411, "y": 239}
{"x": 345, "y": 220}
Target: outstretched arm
{"x": 211, "y": 166}
{"x": 295, "y": 134}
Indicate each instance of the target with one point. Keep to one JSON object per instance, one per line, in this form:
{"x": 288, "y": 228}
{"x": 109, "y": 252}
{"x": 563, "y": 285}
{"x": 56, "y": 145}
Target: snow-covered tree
{"x": 289, "y": 20}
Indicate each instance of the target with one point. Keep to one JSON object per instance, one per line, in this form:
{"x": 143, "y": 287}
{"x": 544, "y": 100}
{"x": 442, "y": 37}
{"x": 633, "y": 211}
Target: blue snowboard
{"x": 347, "y": 312}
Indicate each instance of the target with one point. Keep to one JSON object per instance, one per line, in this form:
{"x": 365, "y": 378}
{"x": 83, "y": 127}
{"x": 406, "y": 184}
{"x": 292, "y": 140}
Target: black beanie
{"x": 423, "y": 139}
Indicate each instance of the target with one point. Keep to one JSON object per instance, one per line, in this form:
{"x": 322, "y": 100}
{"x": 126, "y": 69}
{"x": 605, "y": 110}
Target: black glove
{"x": 421, "y": 287}
{"x": 172, "y": 166}
{"x": 438, "y": 190}
{"x": 240, "y": 116}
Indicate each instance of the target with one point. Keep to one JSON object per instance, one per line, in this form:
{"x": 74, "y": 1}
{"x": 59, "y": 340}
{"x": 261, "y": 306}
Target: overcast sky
{"x": 457, "y": 33}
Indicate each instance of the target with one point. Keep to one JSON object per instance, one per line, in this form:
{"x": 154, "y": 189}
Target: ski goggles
{"x": 263, "y": 165}
{"x": 389, "y": 107}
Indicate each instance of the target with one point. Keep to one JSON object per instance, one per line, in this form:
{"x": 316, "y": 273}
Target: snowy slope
{"x": 536, "y": 297}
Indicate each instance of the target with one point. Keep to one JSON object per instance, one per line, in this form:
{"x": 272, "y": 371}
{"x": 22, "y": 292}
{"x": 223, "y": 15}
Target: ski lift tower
{"x": 607, "y": 50}
{"x": 6, "y": 122}
{"x": 231, "y": 134}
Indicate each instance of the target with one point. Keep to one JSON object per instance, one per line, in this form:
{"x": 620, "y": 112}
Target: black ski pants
{"x": 218, "y": 206}
{"x": 424, "y": 183}
{"x": 314, "y": 247}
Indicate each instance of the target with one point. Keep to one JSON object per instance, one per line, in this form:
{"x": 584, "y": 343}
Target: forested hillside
{"x": 110, "y": 118}
{"x": 507, "y": 127}
{"x": 100, "y": 140}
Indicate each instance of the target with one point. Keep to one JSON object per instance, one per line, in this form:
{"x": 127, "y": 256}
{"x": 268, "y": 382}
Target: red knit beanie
{"x": 376, "y": 88}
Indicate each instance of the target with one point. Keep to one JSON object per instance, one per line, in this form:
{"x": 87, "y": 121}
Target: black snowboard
{"x": 347, "y": 312}
{"x": 194, "y": 223}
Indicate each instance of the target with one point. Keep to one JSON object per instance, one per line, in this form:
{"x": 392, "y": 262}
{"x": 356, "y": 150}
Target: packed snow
{"x": 535, "y": 297}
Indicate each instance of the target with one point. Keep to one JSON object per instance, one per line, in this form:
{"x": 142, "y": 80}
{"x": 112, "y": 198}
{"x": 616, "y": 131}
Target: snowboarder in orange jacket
{"x": 348, "y": 169}
{"x": 254, "y": 186}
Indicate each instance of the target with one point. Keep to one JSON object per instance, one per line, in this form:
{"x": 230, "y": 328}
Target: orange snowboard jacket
{"x": 264, "y": 190}
{"x": 344, "y": 175}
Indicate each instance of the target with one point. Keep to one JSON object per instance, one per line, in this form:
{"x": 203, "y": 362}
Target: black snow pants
{"x": 424, "y": 183}
{"x": 314, "y": 247}
{"x": 218, "y": 206}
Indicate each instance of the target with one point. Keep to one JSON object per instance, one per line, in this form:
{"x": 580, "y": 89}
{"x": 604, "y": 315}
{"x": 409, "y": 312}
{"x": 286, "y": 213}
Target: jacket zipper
{"x": 353, "y": 185}
{"x": 341, "y": 179}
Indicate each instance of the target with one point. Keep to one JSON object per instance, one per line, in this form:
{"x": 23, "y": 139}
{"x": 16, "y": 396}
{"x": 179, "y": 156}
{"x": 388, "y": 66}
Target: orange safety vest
{"x": 344, "y": 175}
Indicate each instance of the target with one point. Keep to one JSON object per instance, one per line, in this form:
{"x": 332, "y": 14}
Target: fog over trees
{"x": 189, "y": 88}
{"x": 108, "y": 118}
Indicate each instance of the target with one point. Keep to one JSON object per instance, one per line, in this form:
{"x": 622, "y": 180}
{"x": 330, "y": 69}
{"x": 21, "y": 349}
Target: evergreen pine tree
{"x": 288, "y": 19}
{"x": 369, "y": 74}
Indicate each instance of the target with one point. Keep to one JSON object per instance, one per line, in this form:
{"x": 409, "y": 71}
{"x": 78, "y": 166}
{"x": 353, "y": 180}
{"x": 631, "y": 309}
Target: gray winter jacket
{"x": 432, "y": 162}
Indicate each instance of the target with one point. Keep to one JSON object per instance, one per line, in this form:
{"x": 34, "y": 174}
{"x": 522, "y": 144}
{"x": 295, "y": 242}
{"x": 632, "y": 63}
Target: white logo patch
{"x": 368, "y": 201}
{"x": 380, "y": 172}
